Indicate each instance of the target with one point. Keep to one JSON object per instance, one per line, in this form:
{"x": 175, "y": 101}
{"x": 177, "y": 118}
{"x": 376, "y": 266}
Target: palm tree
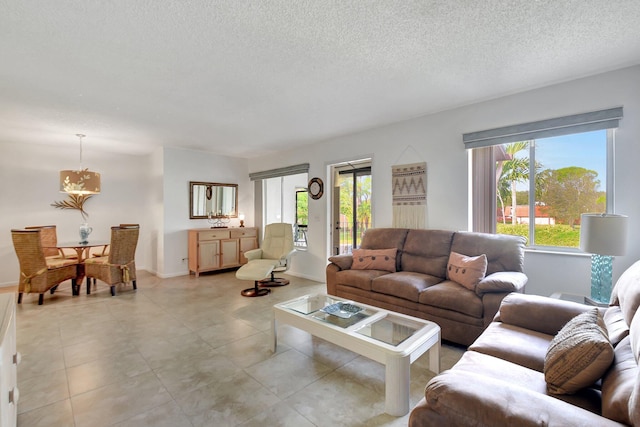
{"x": 502, "y": 192}
{"x": 514, "y": 170}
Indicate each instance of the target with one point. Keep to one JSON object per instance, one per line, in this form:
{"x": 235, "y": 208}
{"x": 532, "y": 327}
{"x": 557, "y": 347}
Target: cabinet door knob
{"x": 14, "y": 395}
{"x": 17, "y": 358}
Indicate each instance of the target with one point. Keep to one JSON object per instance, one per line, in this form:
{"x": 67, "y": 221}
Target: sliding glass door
{"x": 352, "y": 205}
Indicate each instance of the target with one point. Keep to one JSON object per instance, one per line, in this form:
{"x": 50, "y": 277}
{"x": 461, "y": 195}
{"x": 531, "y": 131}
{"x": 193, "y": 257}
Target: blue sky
{"x": 587, "y": 150}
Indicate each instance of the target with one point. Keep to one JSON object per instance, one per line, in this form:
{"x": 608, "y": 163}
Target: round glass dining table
{"x": 82, "y": 249}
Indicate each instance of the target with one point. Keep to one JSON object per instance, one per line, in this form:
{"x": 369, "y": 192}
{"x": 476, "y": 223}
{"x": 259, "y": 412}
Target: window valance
{"x": 585, "y": 122}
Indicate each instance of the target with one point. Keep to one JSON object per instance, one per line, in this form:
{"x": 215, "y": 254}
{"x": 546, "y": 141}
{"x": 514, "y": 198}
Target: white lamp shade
{"x": 604, "y": 234}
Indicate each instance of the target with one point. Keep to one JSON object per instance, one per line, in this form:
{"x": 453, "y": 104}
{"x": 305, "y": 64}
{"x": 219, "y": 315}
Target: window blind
{"x": 585, "y": 122}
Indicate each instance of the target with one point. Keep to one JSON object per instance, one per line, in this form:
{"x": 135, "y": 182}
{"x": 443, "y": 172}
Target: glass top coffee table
{"x": 390, "y": 338}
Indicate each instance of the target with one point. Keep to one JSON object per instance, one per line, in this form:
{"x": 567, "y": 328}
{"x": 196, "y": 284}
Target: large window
{"x": 538, "y": 187}
{"x": 280, "y": 198}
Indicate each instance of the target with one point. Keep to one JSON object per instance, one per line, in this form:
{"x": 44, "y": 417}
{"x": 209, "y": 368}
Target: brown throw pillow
{"x": 578, "y": 355}
{"x": 466, "y": 270}
{"x": 374, "y": 259}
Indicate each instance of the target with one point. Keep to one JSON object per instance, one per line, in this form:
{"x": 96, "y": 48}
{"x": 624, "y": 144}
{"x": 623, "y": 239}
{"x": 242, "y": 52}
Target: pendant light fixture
{"x": 81, "y": 181}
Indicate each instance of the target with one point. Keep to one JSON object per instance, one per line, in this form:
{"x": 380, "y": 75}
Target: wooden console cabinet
{"x": 217, "y": 248}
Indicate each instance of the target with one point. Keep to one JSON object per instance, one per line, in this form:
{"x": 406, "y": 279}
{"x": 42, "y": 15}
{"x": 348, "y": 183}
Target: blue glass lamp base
{"x": 601, "y": 277}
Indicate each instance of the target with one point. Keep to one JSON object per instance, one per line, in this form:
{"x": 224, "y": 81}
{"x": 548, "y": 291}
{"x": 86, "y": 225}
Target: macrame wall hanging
{"x": 409, "y": 187}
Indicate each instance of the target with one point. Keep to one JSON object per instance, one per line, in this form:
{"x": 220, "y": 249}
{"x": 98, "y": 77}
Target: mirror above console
{"x": 219, "y": 200}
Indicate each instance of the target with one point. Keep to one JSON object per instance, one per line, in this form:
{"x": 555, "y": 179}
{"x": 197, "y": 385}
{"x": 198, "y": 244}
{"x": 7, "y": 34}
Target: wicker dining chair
{"x": 105, "y": 249}
{"x": 49, "y": 238}
{"x": 120, "y": 265}
{"x": 39, "y": 274}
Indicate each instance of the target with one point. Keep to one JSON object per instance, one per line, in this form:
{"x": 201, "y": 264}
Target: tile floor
{"x": 191, "y": 352}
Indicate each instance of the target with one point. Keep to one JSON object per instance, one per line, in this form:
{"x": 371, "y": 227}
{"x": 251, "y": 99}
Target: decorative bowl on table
{"x": 343, "y": 310}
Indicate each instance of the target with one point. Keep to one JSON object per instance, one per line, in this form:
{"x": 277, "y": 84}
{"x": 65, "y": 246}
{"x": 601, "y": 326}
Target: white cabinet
{"x": 9, "y": 359}
{"x": 215, "y": 249}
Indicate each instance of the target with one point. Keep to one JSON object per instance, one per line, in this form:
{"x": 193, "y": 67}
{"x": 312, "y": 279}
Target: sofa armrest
{"x": 285, "y": 260}
{"x": 344, "y": 262}
{"x": 332, "y": 282}
{"x": 336, "y": 263}
{"x": 465, "y": 398}
{"x": 502, "y": 281}
{"x": 538, "y": 313}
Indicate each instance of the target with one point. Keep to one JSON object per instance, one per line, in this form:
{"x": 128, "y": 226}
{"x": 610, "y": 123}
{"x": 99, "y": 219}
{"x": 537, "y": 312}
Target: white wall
{"x": 30, "y": 177}
{"x": 180, "y": 167}
{"x": 156, "y": 211}
{"x": 153, "y": 190}
{"x": 437, "y": 139}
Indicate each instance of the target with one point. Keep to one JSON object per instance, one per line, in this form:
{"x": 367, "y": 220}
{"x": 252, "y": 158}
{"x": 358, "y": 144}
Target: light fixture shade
{"x": 604, "y": 234}
{"x": 79, "y": 182}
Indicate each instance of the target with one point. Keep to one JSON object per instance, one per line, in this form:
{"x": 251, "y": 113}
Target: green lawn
{"x": 546, "y": 235}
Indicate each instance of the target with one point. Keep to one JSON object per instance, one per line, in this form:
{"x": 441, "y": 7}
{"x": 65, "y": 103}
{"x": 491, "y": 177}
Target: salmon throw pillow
{"x": 374, "y": 259}
{"x": 466, "y": 270}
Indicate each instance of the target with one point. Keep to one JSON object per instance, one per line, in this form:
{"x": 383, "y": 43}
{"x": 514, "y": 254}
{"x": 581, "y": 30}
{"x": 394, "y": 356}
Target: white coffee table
{"x": 390, "y": 338}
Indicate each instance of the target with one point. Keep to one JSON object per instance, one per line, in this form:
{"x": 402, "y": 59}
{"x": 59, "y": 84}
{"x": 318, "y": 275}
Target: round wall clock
{"x": 316, "y": 188}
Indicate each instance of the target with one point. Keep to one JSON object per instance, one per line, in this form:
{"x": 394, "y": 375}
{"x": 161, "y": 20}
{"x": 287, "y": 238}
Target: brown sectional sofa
{"x": 500, "y": 380}
{"x": 420, "y": 287}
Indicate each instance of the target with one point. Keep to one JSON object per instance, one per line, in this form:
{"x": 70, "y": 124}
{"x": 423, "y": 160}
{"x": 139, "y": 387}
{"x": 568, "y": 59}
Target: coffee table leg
{"x": 397, "y": 385}
{"x": 434, "y": 359}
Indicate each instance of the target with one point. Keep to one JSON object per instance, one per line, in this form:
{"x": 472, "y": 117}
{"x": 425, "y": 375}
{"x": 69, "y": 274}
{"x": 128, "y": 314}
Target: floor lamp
{"x": 604, "y": 236}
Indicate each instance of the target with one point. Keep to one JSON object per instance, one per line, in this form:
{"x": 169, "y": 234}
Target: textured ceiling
{"x": 245, "y": 78}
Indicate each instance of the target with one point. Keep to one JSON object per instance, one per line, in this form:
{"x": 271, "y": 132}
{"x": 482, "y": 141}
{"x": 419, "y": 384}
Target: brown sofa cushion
{"x": 634, "y": 402}
{"x": 427, "y": 252}
{"x": 358, "y": 278}
{"x": 626, "y": 293}
{"x": 617, "y": 328}
{"x": 515, "y": 344}
{"x": 466, "y": 270}
{"x": 504, "y": 253}
{"x": 375, "y": 259}
{"x": 618, "y": 382}
{"x": 451, "y": 296}
{"x": 578, "y": 355}
{"x": 538, "y": 313}
{"x": 523, "y": 378}
{"x": 472, "y": 399}
{"x": 383, "y": 238}
{"x": 403, "y": 284}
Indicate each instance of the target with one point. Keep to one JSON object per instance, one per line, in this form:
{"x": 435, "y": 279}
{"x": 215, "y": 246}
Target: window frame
{"x": 261, "y": 195}
{"x": 298, "y": 191}
{"x": 300, "y": 230}
{"x": 482, "y": 156}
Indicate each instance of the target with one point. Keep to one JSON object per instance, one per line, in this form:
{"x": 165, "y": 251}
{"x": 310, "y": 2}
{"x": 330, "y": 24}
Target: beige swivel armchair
{"x": 277, "y": 245}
